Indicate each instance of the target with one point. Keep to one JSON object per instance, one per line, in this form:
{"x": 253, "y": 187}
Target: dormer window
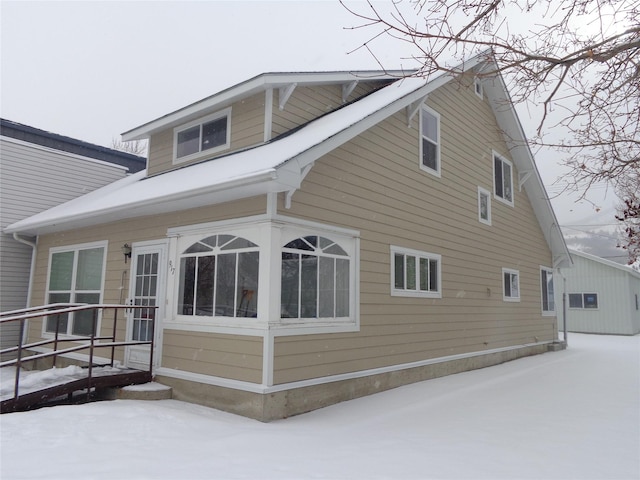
{"x": 204, "y": 136}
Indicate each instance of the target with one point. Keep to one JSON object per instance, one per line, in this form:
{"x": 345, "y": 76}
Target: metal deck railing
{"x": 62, "y": 344}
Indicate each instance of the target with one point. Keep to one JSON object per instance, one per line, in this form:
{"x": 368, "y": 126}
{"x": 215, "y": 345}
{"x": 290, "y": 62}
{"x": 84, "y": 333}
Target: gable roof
{"x": 281, "y": 164}
{"x": 604, "y": 261}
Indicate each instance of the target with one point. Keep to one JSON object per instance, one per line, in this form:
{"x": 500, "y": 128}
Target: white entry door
{"x": 146, "y": 287}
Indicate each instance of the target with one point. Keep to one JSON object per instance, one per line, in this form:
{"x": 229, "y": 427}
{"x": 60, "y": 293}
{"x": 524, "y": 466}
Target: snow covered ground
{"x": 573, "y": 414}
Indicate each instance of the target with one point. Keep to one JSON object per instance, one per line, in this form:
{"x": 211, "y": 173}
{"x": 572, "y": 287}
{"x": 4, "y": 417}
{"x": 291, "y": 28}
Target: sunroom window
{"x": 315, "y": 279}
{"x": 219, "y": 277}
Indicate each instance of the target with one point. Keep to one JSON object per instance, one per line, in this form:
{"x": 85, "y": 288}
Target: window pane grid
{"x": 75, "y": 276}
{"x": 415, "y": 274}
{"x": 221, "y": 281}
{"x": 315, "y": 279}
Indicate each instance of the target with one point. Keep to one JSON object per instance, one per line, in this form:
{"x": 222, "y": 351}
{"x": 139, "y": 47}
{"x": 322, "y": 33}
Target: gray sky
{"x": 94, "y": 69}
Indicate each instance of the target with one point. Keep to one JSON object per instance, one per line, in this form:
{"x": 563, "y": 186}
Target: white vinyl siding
{"x": 35, "y": 178}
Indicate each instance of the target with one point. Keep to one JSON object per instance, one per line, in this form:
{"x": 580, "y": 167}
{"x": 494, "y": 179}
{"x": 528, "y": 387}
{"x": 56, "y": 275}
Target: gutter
{"x": 34, "y": 248}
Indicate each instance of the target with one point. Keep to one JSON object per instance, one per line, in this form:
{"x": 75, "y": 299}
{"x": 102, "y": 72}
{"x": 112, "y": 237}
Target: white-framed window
{"x": 477, "y": 87}
{"x": 484, "y": 206}
{"x": 583, "y": 300}
{"x": 219, "y": 278}
{"x": 546, "y": 287}
{"x": 510, "y": 285}
{"x": 430, "y": 141}
{"x": 502, "y": 179}
{"x": 76, "y": 275}
{"x": 202, "y": 137}
{"x": 273, "y": 272}
{"x": 415, "y": 273}
{"x": 314, "y": 279}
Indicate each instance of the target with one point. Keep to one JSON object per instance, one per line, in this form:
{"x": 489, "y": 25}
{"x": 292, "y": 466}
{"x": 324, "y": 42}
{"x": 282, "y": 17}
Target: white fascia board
{"x": 247, "y": 88}
{"x": 74, "y": 213}
{"x": 516, "y": 141}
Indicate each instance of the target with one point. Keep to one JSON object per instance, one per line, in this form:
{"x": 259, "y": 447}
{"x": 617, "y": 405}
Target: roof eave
{"x": 249, "y": 87}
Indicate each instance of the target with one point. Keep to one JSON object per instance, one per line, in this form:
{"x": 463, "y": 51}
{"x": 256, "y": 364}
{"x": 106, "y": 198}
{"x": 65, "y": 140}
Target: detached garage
{"x": 602, "y": 296}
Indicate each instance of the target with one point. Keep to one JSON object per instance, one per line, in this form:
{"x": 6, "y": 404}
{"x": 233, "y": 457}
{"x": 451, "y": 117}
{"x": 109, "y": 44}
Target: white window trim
{"x": 396, "y": 292}
{"x": 204, "y": 153}
{"x": 495, "y": 154}
{"x": 76, "y": 247}
{"x": 484, "y": 191}
{"x": 582, "y": 294}
{"x": 437, "y": 171}
{"x": 270, "y": 233}
{"x": 477, "y": 88}
{"x": 512, "y": 272}
{"x": 547, "y": 313}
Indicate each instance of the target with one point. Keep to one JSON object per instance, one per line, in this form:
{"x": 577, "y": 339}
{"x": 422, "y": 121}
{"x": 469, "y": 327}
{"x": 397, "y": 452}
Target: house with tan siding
{"x": 314, "y": 237}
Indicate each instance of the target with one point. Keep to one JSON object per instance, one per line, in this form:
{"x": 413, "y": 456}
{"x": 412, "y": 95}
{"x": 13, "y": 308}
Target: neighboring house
{"x": 315, "y": 237}
{"x": 39, "y": 170}
{"x": 602, "y": 296}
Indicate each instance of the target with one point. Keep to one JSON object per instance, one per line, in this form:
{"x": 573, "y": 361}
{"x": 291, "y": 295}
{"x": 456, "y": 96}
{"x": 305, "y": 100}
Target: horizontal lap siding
{"x": 227, "y": 356}
{"x": 128, "y": 231}
{"x": 374, "y": 184}
{"x": 247, "y": 129}
{"x": 308, "y": 103}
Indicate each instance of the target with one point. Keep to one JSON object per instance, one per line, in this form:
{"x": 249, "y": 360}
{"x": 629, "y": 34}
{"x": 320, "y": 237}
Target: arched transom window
{"x": 219, "y": 277}
{"x": 315, "y": 279}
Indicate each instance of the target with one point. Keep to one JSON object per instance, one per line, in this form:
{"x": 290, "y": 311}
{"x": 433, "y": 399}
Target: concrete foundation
{"x": 286, "y": 403}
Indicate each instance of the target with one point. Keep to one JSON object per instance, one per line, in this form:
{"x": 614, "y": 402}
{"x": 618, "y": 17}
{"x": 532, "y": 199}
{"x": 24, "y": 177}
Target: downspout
{"x": 34, "y": 247}
{"x": 564, "y": 308}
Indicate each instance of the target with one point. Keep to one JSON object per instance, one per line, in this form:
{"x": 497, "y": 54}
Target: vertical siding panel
{"x": 616, "y": 289}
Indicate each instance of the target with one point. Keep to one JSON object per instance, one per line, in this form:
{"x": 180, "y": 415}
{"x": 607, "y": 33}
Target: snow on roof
{"x": 257, "y": 170}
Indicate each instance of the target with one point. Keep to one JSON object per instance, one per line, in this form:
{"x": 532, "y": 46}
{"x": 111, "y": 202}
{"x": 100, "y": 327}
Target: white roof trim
{"x": 252, "y": 86}
{"x": 509, "y": 123}
{"x": 278, "y": 166}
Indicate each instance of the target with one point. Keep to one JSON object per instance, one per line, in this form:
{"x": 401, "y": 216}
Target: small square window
{"x": 590, "y": 300}
{"x": 511, "y": 285}
{"x": 575, "y": 300}
{"x": 484, "y": 206}
{"x": 430, "y": 141}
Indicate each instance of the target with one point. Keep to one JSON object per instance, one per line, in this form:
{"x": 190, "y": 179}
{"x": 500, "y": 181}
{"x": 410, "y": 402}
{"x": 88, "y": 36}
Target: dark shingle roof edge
{"x": 37, "y": 136}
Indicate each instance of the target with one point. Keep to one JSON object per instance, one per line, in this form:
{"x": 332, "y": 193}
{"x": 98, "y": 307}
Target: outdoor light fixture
{"x": 126, "y": 251}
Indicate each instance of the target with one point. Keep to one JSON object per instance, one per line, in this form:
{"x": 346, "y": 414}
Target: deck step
{"x": 144, "y": 391}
